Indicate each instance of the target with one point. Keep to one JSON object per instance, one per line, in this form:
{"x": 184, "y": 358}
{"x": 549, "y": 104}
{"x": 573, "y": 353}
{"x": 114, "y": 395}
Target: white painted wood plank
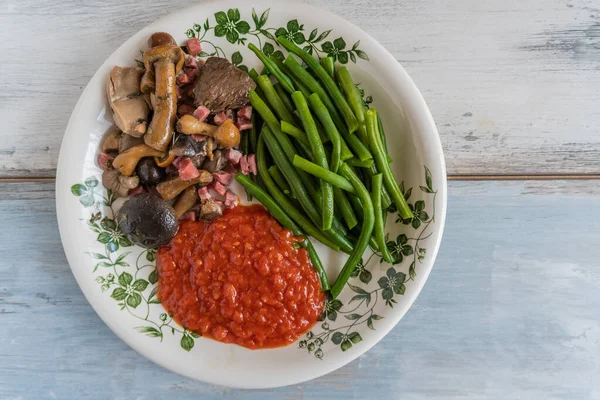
{"x": 510, "y": 310}
{"x": 513, "y": 85}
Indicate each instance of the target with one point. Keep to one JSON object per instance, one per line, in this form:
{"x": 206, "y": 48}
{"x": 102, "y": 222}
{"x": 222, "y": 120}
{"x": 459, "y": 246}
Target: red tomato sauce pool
{"x": 240, "y": 280}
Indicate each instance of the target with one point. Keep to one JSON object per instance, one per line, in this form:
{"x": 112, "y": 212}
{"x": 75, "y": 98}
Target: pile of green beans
{"x": 323, "y": 166}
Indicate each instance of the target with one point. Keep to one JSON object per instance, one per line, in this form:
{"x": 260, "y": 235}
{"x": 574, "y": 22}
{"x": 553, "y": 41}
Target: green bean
{"x": 359, "y": 148}
{"x": 323, "y": 173}
{"x": 327, "y": 81}
{"x": 292, "y": 210}
{"x": 323, "y": 115}
{"x": 273, "y": 69}
{"x": 385, "y": 197}
{"x": 355, "y": 162}
{"x": 343, "y": 204}
{"x": 273, "y": 99}
{"x": 254, "y": 75}
{"x": 357, "y": 205}
{"x": 365, "y": 232}
{"x": 278, "y": 178}
{"x": 298, "y": 188}
{"x": 280, "y": 215}
{"x": 296, "y": 133}
{"x": 382, "y": 165}
{"x": 383, "y": 138}
{"x": 379, "y": 230}
{"x": 354, "y": 100}
{"x": 285, "y": 96}
{"x": 328, "y": 64}
{"x": 318, "y": 152}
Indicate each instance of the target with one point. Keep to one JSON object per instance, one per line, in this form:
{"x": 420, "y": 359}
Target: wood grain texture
{"x": 513, "y": 85}
{"x": 510, "y": 310}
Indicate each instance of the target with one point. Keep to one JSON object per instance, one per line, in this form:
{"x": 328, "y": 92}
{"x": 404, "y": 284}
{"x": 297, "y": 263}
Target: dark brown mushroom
{"x": 128, "y": 141}
{"x": 111, "y": 139}
{"x": 186, "y": 201}
{"x": 166, "y": 62}
{"x": 130, "y": 107}
{"x": 171, "y": 187}
{"x": 126, "y": 162}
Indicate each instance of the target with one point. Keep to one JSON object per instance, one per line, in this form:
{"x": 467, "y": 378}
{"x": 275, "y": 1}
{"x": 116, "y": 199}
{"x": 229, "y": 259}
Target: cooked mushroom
{"x": 149, "y": 173}
{"x": 126, "y": 162}
{"x": 130, "y": 107}
{"x": 148, "y": 83}
{"x": 128, "y": 141}
{"x": 111, "y": 139}
{"x": 186, "y": 146}
{"x": 147, "y": 220}
{"x": 165, "y": 161}
{"x": 217, "y": 162}
{"x": 170, "y": 188}
{"x": 119, "y": 184}
{"x": 226, "y": 134}
{"x": 186, "y": 201}
{"x": 166, "y": 62}
{"x": 210, "y": 210}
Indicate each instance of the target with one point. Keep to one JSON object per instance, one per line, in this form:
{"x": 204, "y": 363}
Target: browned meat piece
{"x": 220, "y": 86}
{"x": 210, "y": 210}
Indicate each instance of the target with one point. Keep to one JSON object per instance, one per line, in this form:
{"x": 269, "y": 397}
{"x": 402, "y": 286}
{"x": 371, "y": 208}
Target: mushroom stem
{"x": 170, "y": 188}
{"x": 126, "y": 162}
{"x": 187, "y": 200}
{"x": 226, "y": 134}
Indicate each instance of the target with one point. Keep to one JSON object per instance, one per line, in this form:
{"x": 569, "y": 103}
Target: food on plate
{"x": 240, "y": 279}
{"x": 298, "y": 138}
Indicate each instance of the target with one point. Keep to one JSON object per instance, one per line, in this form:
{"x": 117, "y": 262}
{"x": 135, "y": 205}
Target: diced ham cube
{"x": 185, "y": 109}
{"x": 182, "y": 79}
{"x": 252, "y": 164}
{"x": 220, "y": 118}
{"x": 105, "y": 161}
{"x": 217, "y": 187}
{"x": 223, "y": 177}
{"x": 190, "y": 67}
{"x": 233, "y": 156}
{"x": 231, "y": 200}
{"x": 204, "y": 194}
{"x": 190, "y": 215}
{"x": 243, "y": 124}
{"x": 187, "y": 169}
{"x": 244, "y": 165}
{"x": 178, "y": 160}
{"x": 201, "y": 113}
{"x": 193, "y": 46}
{"x": 230, "y": 168}
{"x": 245, "y": 112}
{"x": 199, "y": 138}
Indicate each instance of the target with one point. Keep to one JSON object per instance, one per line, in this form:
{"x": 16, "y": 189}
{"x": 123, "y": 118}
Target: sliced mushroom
{"x": 166, "y": 62}
{"x": 226, "y": 134}
{"x": 130, "y": 107}
{"x": 186, "y": 201}
{"x": 111, "y": 139}
{"x": 170, "y": 188}
{"x": 126, "y": 162}
{"x": 119, "y": 184}
{"x": 128, "y": 141}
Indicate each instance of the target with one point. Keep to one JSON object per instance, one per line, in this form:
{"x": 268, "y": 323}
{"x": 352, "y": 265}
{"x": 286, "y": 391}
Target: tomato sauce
{"x": 239, "y": 279}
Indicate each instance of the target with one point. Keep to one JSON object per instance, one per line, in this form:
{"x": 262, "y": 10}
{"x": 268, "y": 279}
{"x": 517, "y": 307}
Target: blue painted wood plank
{"x": 510, "y": 310}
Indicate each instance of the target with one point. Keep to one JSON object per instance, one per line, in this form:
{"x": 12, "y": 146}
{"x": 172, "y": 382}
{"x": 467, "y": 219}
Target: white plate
{"x": 119, "y": 283}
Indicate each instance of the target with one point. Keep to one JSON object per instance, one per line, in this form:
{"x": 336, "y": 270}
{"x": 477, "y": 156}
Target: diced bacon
{"x": 245, "y": 112}
{"x": 105, "y": 161}
{"x": 190, "y": 215}
{"x": 199, "y": 138}
{"x": 233, "y": 155}
{"x": 178, "y": 160}
{"x": 244, "y": 165}
{"x": 185, "y": 109}
{"x": 135, "y": 191}
{"x": 231, "y": 200}
{"x": 204, "y": 194}
{"x": 243, "y": 124}
{"x": 190, "y": 67}
{"x": 182, "y": 79}
{"x": 223, "y": 177}
{"x": 230, "y": 168}
{"x": 217, "y": 187}
{"x": 193, "y": 46}
{"x": 252, "y": 164}
{"x": 220, "y": 118}
{"x": 187, "y": 170}
{"x": 201, "y": 113}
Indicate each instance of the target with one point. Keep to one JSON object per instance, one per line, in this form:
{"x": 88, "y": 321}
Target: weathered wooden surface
{"x": 514, "y": 86}
{"x": 510, "y": 310}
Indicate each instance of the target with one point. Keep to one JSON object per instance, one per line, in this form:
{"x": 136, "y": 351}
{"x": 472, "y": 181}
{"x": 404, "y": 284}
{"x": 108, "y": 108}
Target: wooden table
{"x": 512, "y": 308}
